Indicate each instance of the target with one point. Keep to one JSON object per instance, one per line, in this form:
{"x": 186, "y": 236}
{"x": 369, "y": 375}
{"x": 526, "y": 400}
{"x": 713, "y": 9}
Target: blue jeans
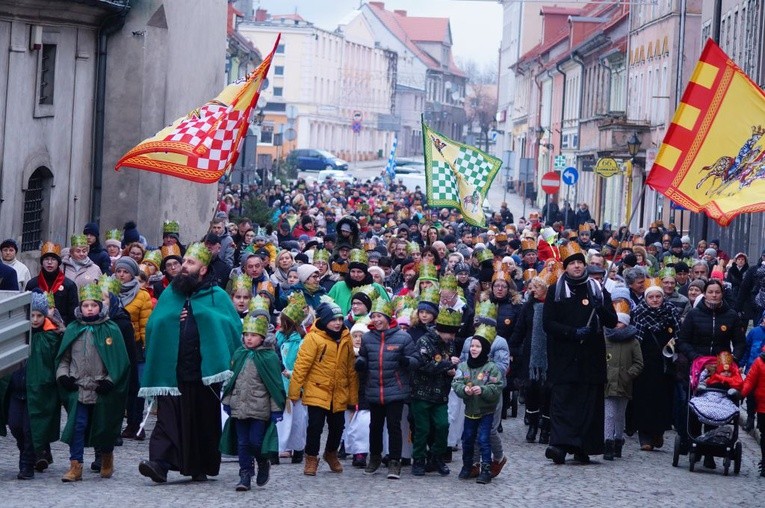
{"x": 481, "y": 427}
{"x": 249, "y": 435}
{"x": 77, "y": 446}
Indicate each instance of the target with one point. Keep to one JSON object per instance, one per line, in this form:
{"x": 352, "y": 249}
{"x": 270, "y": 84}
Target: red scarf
{"x": 57, "y": 282}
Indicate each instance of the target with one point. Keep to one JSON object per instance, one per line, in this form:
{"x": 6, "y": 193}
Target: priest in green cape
{"x": 190, "y": 339}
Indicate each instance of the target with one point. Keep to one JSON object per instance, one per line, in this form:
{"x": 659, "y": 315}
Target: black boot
{"x": 465, "y": 471}
{"x": 761, "y": 465}
{"x": 533, "y": 418}
{"x": 544, "y": 430}
{"x": 441, "y": 466}
{"x": 618, "y": 444}
{"x": 557, "y": 455}
{"x": 245, "y": 480}
{"x": 96, "y": 464}
{"x": 274, "y": 458}
{"x": 297, "y": 456}
{"x": 418, "y": 467}
{"x": 26, "y": 472}
{"x": 608, "y": 453}
{"x": 264, "y": 470}
{"x": 484, "y": 476}
{"x": 447, "y": 457}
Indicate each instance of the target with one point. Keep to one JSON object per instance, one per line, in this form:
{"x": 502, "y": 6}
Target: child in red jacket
{"x": 755, "y": 383}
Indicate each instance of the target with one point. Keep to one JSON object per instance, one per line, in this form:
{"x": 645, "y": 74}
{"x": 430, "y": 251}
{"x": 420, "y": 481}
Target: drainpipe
{"x": 578, "y": 59}
{"x": 110, "y": 25}
{"x": 562, "y": 107}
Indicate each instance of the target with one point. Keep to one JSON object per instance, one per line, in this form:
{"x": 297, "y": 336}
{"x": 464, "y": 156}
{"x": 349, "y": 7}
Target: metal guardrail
{"x": 15, "y": 330}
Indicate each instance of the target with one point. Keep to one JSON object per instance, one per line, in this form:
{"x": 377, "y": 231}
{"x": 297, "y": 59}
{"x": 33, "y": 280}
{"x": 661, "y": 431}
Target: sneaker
{"x": 359, "y": 460}
{"x": 441, "y": 467}
{"x": 465, "y": 473}
{"x": 497, "y": 465}
{"x": 394, "y": 469}
{"x": 374, "y": 464}
{"x": 418, "y": 467}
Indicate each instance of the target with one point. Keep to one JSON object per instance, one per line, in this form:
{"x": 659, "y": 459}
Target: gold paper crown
{"x": 638, "y": 241}
{"x": 255, "y": 324}
{"x": 501, "y": 237}
{"x": 412, "y": 247}
{"x": 114, "y": 234}
{"x": 382, "y": 307}
{"x": 613, "y": 243}
{"x": 621, "y": 306}
{"x": 652, "y": 281}
{"x": 369, "y": 290}
{"x": 528, "y": 244}
{"x": 533, "y": 215}
{"x": 487, "y": 332}
{"x": 241, "y": 281}
{"x": 400, "y": 302}
{"x": 260, "y": 306}
{"x": 500, "y": 272}
{"x": 511, "y": 229}
{"x": 573, "y": 234}
{"x": 79, "y": 241}
{"x": 486, "y": 309}
{"x": 295, "y": 312}
{"x": 170, "y": 250}
{"x": 154, "y": 257}
{"x": 369, "y": 245}
{"x": 91, "y": 292}
{"x": 266, "y": 287}
{"x": 584, "y": 227}
{"x": 569, "y": 250}
{"x": 321, "y": 255}
{"x": 529, "y": 274}
{"x": 626, "y": 245}
{"x": 485, "y": 255}
{"x": 339, "y": 267}
{"x": 430, "y": 295}
{"x": 171, "y": 226}
{"x": 199, "y": 252}
{"x": 50, "y": 248}
{"x": 428, "y": 272}
{"x": 358, "y": 256}
{"x": 550, "y": 274}
{"x": 109, "y": 284}
{"x": 449, "y": 317}
{"x": 448, "y": 283}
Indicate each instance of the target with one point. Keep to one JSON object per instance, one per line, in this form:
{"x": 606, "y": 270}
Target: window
{"x": 36, "y": 198}
{"x": 280, "y": 49}
{"x": 278, "y": 91}
{"x": 267, "y": 134}
{"x": 47, "y": 74}
{"x": 278, "y": 70}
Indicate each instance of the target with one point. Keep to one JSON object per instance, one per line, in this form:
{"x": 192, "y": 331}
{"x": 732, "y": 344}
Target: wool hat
{"x": 10, "y": 242}
{"x": 717, "y": 273}
{"x": 131, "y": 233}
{"x": 327, "y": 311}
{"x": 212, "y": 239}
{"x": 682, "y": 267}
{"x": 304, "y": 271}
{"x": 91, "y": 228}
{"x": 39, "y": 303}
{"x": 710, "y": 252}
{"x": 461, "y": 267}
{"x": 360, "y": 326}
{"x": 653, "y": 289}
{"x": 698, "y": 283}
{"x": 685, "y": 239}
{"x": 127, "y": 263}
{"x": 676, "y": 242}
{"x": 620, "y": 293}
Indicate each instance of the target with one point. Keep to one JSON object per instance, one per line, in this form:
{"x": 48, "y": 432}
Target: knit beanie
{"x": 621, "y": 293}
{"x": 676, "y": 242}
{"x": 91, "y": 228}
{"x": 428, "y": 307}
{"x": 304, "y": 271}
{"x": 39, "y": 303}
{"x": 326, "y": 312}
{"x": 131, "y": 233}
{"x": 128, "y": 264}
{"x": 359, "y": 327}
{"x": 363, "y": 298}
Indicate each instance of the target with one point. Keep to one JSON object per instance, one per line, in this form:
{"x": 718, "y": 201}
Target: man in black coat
{"x": 575, "y": 311}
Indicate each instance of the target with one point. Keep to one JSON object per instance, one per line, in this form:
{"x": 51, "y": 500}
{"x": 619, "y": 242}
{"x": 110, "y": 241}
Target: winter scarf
{"x": 129, "y": 291}
{"x": 564, "y": 284}
{"x": 49, "y": 282}
{"x": 538, "y": 355}
{"x": 649, "y": 320}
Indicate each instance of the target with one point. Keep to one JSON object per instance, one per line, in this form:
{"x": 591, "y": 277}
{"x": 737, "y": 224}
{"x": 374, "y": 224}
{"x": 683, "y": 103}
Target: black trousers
{"x": 335, "y": 423}
{"x": 538, "y": 397}
{"x": 379, "y": 415}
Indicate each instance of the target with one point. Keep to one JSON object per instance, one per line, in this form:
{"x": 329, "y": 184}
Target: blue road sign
{"x": 570, "y": 175}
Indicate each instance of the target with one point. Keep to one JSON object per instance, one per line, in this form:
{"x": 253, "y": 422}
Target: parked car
{"x": 406, "y": 166}
{"x": 336, "y": 175}
{"x": 307, "y": 159}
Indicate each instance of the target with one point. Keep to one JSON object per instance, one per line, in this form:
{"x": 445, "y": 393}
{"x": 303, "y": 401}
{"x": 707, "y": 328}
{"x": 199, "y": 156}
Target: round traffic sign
{"x": 570, "y": 175}
{"x": 551, "y": 182}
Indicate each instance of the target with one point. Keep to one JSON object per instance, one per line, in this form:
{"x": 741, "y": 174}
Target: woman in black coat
{"x": 650, "y": 410}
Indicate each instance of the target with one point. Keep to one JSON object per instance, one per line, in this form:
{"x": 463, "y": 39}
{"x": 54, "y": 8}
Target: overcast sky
{"x": 476, "y": 25}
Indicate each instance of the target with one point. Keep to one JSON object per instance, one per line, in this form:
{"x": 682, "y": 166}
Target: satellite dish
{"x": 455, "y": 95}
{"x": 292, "y": 112}
{"x": 262, "y": 102}
{"x": 448, "y": 85}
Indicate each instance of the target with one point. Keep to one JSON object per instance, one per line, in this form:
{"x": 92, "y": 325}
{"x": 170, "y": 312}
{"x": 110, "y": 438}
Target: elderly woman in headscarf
{"x": 651, "y": 406}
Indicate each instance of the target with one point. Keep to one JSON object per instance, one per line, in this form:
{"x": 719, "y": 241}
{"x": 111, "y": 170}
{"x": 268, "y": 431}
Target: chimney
{"x": 261, "y": 15}
{"x": 379, "y": 5}
{"x": 400, "y": 12}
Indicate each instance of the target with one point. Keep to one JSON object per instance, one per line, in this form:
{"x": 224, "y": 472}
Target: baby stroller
{"x": 717, "y": 410}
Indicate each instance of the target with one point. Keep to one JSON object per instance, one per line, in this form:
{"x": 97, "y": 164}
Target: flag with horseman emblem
{"x": 712, "y": 158}
{"x": 203, "y": 145}
{"x": 457, "y": 175}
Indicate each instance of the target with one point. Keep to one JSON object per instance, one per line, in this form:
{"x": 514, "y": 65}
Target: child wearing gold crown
{"x": 254, "y": 397}
{"x": 92, "y": 373}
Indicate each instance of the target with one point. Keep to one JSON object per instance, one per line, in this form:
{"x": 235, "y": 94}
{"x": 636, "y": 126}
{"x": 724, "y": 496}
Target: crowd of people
{"x": 403, "y": 331}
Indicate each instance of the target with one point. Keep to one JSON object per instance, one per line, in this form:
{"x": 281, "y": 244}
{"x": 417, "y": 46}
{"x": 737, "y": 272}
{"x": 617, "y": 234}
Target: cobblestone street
{"x": 639, "y": 479}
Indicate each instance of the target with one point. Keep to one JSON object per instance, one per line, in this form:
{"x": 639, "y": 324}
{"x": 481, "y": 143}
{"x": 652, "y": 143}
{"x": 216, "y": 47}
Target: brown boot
{"x": 107, "y": 465}
{"x": 333, "y": 462}
{"x": 75, "y": 472}
{"x": 311, "y": 465}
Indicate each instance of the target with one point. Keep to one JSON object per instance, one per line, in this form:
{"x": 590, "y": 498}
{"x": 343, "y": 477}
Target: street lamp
{"x": 633, "y": 147}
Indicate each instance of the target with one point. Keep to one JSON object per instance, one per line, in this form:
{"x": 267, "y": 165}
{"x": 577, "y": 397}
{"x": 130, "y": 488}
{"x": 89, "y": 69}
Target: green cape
{"x": 43, "y": 402}
{"x": 342, "y": 294}
{"x": 269, "y": 369}
{"x": 106, "y": 421}
{"x": 220, "y": 332}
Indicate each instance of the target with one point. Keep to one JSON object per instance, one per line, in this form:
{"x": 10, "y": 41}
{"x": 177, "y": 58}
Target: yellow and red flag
{"x": 203, "y": 145}
{"x": 712, "y": 158}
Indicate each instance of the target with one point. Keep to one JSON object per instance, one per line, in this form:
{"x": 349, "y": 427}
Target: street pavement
{"x": 641, "y": 479}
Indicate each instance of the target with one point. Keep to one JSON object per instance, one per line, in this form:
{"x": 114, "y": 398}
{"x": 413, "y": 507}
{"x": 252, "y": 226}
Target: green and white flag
{"x": 457, "y": 175}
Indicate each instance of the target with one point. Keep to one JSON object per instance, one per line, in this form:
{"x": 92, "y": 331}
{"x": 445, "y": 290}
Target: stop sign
{"x": 551, "y": 182}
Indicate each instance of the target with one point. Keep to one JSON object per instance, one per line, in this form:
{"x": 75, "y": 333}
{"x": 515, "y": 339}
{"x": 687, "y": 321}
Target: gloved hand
{"x": 227, "y": 409}
{"x": 104, "y": 386}
{"x": 277, "y": 416}
{"x": 403, "y": 362}
{"x": 68, "y": 383}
